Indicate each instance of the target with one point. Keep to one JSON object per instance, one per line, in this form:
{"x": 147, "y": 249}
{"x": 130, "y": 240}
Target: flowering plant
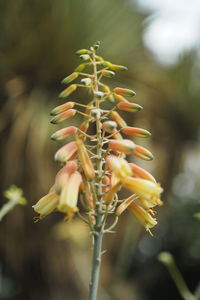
{"x": 94, "y": 166}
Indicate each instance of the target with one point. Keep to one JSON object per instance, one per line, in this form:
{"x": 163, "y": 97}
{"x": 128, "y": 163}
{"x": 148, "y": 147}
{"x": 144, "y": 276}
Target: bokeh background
{"x": 159, "y": 42}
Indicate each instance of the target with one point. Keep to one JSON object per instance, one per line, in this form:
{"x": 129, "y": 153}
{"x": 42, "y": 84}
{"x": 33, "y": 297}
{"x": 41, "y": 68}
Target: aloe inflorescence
{"x": 94, "y": 166}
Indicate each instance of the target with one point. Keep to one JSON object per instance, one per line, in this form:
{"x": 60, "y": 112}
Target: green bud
{"x": 80, "y": 68}
{"x": 82, "y": 51}
{"x": 96, "y": 45}
{"x": 68, "y": 91}
{"x": 108, "y": 73}
{"x": 70, "y": 78}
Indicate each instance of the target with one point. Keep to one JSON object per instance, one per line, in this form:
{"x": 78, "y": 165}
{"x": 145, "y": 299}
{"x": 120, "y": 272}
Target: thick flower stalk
{"x": 95, "y": 167}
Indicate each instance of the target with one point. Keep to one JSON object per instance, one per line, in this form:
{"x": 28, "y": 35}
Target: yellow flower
{"x": 142, "y": 216}
{"x": 46, "y": 204}
{"x": 147, "y": 190}
{"x": 69, "y": 195}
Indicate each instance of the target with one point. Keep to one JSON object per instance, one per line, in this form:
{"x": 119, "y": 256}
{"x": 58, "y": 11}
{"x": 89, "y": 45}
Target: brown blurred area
{"x": 51, "y": 259}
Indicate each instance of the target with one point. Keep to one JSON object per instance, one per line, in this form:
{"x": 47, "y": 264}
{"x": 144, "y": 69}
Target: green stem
{"x": 96, "y": 263}
{"x": 98, "y": 233}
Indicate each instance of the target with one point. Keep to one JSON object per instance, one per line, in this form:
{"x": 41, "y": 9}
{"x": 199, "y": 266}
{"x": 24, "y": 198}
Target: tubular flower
{"x": 95, "y": 165}
{"x": 142, "y": 216}
{"x": 46, "y": 204}
{"x": 69, "y": 195}
{"x": 148, "y": 190}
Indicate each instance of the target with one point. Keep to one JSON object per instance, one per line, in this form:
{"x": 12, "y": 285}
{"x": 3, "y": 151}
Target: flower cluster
{"x": 94, "y": 166}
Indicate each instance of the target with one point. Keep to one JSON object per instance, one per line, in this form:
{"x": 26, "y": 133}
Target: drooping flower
{"x": 69, "y": 195}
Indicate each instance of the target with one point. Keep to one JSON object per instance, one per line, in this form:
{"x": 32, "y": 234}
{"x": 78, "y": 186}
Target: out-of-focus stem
{"x": 168, "y": 260}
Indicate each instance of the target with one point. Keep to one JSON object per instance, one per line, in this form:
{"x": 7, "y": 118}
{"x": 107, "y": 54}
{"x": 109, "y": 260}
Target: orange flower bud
{"x": 63, "y": 116}
{"x": 84, "y": 126}
{"x": 108, "y": 126}
{"x": 125, "y": 146}
{"x": 64, "y": 174}
{"x": 142, "y": 216}
{"x": 66, "y": 152}
{"x": 137, "y": 132}
{"x": 119, "y": 98}
{"x": 46, "y": 204}
{"x": 142, "y": 153}
{"x": 85, "y": 160}
{"x": 124, "y": 92}
{"x": 69, "y": 195}
{"x": 68, "y": 91}
{"x": 116, "y": 117}
{"x": 70, "y": 78}
{"x": 59, "y": 109}
{"x": 141, "y": 173}
{"x": 127, "y": 106}
{"x": 106, "y": 183}
{"x": 64, "y": 133}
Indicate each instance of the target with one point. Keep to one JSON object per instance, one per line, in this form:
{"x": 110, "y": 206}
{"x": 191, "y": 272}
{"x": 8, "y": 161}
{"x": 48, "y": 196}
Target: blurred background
{"x": 159, "y": 42}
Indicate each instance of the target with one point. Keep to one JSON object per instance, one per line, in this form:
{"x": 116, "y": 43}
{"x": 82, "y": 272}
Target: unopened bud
{"x": 85, "y": 160}
{"x": 84, "y": 126}
{"x": 115, "y": 67}
{"x": 99, "y": 94}
{"x": 116, "y": 117}
{"x": 124, "y": 146}
{"x": 141, "y": 173}
{"x": 66, "y": 152}
{"x": 84, "y": 57}
{"x": 108, "y": 73}
{"x": 82, "y": 51}
{"x": 124, "y": 92}
{"x": 68, "y": 91}
{"x": 108, "y": 126}
{"x": 86, "y": 81}
{"x": 59, "y": 109}
{"x": 142, "y": 153}
{"x": 96, "y": 113}
{"x": 63, "y": 116}
{"x": 126, "y": 106}
{"x": 70, "y": 78}
{"x": 137, "y": 132}
{"x": 119, "y": 98}
{"x": 64, "y": 133}
{"x": 81, "y": 67}
{"x": 96, "y": 45}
